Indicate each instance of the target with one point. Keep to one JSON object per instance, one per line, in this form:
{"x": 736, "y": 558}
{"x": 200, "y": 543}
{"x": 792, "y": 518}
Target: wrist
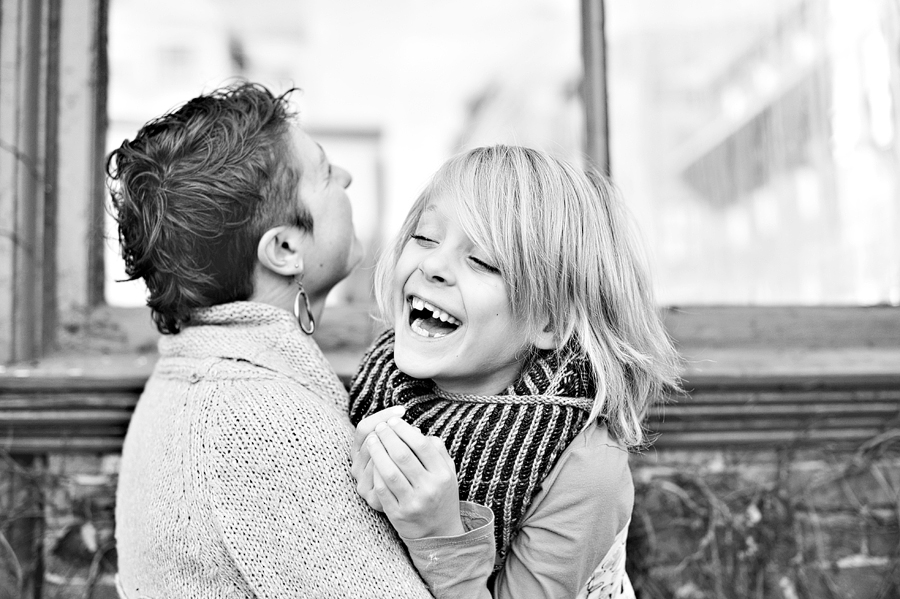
{"x": 454, "y": 529}
{"x": 445, "y": 529}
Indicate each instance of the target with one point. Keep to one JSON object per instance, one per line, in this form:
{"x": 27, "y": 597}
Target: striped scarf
{"x": 503, "y": 445}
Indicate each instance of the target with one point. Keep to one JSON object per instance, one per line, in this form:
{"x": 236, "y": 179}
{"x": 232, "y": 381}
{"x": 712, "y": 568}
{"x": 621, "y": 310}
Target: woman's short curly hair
{"x": 195, "y": 190}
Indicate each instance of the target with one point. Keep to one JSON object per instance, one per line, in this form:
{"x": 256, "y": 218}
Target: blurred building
{"x": 757, "y": 144}
{"x": 391, "y": 89}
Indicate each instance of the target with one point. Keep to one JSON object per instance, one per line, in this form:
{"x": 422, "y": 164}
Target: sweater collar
{"x": 242, "y": 314}
{"x": 257, "y": 333}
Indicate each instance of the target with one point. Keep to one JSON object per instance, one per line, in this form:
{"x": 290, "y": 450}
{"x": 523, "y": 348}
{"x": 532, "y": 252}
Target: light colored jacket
{"x": 235, "y": 477}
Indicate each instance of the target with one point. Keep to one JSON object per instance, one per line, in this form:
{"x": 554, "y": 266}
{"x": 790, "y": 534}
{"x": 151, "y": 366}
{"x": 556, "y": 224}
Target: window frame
{"x": 52, "y": 120}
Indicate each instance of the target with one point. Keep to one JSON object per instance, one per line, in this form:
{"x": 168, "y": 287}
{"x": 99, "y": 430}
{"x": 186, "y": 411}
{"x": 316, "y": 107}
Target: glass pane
{"x": 390, "y": 88}
{"x": 757, "y": 143}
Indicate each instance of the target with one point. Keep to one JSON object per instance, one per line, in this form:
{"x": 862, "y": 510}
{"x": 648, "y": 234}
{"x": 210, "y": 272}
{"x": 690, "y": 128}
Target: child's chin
{"x": 410, "y": 365}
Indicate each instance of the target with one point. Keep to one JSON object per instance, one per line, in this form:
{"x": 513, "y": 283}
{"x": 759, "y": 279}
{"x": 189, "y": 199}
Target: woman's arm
{"x": 283, "y": 499}
{"x": 285, "y": 502}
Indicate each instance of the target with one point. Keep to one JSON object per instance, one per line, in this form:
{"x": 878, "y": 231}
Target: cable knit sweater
{"x": 235, "y": 477}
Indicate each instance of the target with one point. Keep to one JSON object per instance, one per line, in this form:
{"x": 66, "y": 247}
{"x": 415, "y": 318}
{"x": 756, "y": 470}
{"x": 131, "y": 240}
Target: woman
{"x": 235, "y": 475}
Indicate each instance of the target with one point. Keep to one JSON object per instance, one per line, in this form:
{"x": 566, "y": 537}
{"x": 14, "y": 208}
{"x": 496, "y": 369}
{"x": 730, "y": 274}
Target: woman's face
{"x": 453, "y": 321}
{"x": 333, "y": 249}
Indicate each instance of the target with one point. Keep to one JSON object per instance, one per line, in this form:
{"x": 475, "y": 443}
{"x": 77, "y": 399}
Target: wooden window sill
{"x": 832, "y": 381}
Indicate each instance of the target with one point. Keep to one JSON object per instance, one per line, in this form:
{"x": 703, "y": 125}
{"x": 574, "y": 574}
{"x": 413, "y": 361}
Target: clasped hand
{"x": 408, "y": 476}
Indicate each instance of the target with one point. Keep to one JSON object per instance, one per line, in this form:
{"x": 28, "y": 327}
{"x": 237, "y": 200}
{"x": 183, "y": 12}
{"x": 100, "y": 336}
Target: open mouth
{"x": 430, "y": 321}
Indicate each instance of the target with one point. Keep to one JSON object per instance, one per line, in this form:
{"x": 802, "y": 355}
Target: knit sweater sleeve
{"x": 284, "y": 502}
{"x": 583, "y": 503}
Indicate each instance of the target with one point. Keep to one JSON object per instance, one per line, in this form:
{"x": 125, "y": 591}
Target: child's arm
{"x": 413, "y": 478}
{"x": 361, "y": 462}
{"x": 571, "y": 525}
{"x": 584, "y": 502}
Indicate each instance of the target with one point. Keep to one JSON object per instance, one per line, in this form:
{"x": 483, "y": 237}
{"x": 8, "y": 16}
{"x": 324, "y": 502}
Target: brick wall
{"x": 707, "y": 524}
{"x": 72, "y": 542}
{"x": 777, "y": 523}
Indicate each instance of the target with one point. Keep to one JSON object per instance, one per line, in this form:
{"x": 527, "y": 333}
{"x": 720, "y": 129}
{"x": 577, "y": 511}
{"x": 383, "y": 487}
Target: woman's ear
{"x": 546, "y": 337}
{"x": 279, "y": 250}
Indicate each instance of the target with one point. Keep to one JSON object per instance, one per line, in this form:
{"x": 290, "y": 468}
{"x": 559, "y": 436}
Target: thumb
{"x": 367, "y": 425}
{"x": 442, "y": 449}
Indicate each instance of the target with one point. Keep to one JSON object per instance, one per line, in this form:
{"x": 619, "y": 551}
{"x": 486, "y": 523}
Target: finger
{"x": 368, "y": 424}
{"x": 363, "y": 477}
{"x": 359, "y": 461}
{"x": 430, "y": 455}
{"x": 442, "y": 450}
{"x": 365, "y": 487}
{"x": 383, "y": 491}
{"x": 386, "y": 471}
{"x": 368, "y": 473}
{"x": 403, "y": 456}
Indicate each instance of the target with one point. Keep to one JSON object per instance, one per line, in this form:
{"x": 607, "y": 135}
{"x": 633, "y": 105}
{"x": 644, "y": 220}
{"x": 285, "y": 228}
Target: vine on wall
{"x": 832, "y": 533}
{"x": 803, "y": 530}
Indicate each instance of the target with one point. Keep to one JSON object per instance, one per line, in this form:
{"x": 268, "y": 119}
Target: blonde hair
{"x": 562, "y": 241}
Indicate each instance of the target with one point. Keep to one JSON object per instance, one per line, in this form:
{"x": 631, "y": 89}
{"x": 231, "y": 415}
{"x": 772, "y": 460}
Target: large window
{"x": 756, "y": 141}
{"x": 390, "y": 88}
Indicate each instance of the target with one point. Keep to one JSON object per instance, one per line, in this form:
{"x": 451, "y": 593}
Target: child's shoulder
{"x": 597, "y": 437}
{"x": 596, "y": 449}
{"x": 591, "y": 476}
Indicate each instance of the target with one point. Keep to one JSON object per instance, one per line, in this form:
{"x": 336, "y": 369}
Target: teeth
{"x": 420, "y": 304}
{"x": 416, "y": 326}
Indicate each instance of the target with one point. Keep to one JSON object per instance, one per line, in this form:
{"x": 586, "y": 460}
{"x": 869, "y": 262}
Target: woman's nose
{"x": 342, "y": 176}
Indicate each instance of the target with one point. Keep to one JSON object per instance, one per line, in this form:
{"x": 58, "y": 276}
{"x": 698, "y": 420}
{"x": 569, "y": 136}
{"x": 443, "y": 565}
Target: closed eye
{"x": 422, "y": 240}
{"x": 484, "y": 265}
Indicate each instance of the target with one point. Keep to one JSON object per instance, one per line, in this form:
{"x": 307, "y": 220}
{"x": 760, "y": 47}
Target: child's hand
{"x": 361, "y": 466}
{"x": 415, "y": 479}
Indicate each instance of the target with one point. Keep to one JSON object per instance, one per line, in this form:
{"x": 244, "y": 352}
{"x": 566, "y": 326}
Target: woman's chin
{"x": 355, "y": 257}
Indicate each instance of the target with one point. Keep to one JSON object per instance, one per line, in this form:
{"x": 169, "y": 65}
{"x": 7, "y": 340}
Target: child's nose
{"x": 437, "y": 267}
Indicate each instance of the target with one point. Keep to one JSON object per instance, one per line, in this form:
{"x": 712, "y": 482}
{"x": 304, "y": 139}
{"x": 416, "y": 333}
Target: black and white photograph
{"x": 452, "y": 299}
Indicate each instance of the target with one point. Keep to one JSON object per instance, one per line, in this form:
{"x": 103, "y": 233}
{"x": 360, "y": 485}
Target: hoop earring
{"x": 301, "y": 293}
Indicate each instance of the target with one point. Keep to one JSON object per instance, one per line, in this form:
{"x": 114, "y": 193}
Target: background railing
{"x": 90, "y": 413}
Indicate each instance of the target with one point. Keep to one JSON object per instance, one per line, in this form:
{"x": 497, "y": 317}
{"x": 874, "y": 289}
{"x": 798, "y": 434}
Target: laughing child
{"x": 526, "y": 338}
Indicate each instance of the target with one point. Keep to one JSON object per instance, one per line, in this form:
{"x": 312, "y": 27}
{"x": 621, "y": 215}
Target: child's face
{"x": 453, "y": 318}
